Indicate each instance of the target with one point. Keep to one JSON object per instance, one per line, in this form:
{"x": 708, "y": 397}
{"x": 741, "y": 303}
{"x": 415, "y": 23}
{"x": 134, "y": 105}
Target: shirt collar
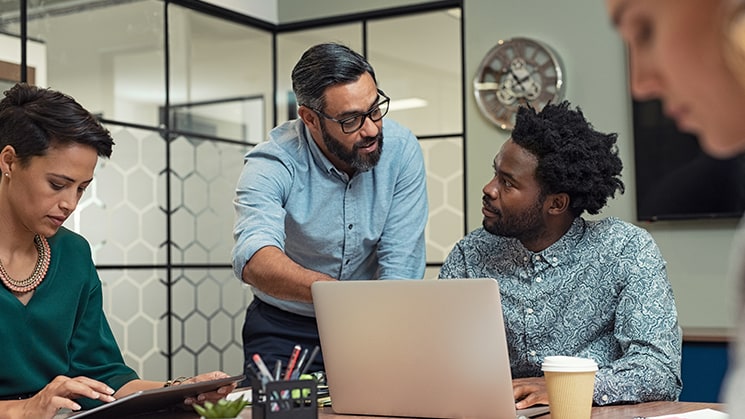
{"x": 318, "y": 157}
{"x": 564, "y": 248}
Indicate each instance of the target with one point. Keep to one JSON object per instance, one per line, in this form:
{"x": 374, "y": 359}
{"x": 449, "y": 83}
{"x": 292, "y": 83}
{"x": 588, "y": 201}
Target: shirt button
{"x": 532, "y": 353}
{"x": 350, "y": 226}
{"x": 605, "y": 397}
{"x": 529, "y": 311}
{"x": 525, "y": 258}
{"x": 555, "y": 259}
{"x": 537, "y": 257}
{"x": 539, "y": 279}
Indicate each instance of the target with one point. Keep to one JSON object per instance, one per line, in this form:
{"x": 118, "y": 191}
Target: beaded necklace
{"x": 40, "y": 270}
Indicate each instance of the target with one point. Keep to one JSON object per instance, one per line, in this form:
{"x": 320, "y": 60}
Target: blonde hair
{"x": 734, "y": 37}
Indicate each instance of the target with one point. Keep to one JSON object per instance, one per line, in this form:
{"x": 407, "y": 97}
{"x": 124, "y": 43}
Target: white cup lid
{"x": 568, "y": 364}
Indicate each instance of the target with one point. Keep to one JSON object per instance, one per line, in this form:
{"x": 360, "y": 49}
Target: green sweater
{"x": 63, "y": 329}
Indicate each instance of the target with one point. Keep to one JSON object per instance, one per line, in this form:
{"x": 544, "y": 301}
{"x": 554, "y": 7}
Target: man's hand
{"x": 211, "y": 396}
{"x": 529, "y": 391}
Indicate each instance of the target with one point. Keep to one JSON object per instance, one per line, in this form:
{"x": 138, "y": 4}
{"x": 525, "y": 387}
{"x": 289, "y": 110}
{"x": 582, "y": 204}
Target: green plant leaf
{"x": 223, "y": 408}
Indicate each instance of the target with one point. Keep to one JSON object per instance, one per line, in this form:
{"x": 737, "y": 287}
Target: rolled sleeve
{"x": 259, "y": 205}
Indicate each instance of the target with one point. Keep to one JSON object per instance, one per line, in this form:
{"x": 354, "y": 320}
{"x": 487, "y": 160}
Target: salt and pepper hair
{"x": 33, "y": 118}
{"x": 573, "y": 158}
{"x": 325, "y": 65}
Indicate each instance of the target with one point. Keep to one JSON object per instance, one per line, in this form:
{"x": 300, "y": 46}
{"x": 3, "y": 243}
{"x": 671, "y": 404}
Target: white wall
{"x": 36, "y": 56}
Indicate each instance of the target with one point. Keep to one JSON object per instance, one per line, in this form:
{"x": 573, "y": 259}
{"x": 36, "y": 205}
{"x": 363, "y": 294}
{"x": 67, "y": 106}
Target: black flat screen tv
{"x": 675, "y": 179}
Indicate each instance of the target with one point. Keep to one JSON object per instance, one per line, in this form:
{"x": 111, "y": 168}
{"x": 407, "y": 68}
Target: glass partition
{"x": 109, "y": 56}
{"x": 422, "y": 73}
{"x": 220, "y": 76}
{"x": 121, "y": 214}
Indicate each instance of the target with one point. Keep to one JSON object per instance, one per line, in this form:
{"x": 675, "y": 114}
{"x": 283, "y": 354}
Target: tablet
{"x": 153, "y": 400}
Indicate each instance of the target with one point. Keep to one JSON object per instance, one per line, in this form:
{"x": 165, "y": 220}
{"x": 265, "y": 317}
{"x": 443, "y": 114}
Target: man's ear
{"x": 558, "y": 203}
{"x": 309, "y": 117}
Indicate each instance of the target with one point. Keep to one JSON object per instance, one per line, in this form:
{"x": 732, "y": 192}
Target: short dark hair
{"x": 33, "y": 118}
{"x": 573, "y": 158}
{"x": 325, "y": 65}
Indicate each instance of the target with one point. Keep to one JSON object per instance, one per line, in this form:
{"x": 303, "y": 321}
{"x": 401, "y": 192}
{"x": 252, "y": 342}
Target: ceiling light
{"x": 408, "y": 103}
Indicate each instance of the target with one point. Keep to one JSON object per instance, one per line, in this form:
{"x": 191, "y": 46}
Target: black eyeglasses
{"x": 355, "y": 122}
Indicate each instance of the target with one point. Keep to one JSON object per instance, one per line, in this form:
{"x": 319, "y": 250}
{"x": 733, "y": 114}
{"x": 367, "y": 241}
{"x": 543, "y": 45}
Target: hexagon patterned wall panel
{"x": 122, "y": 213}
{"x": 124, "y": 216}
{"x": 443, "y": 160}
{"x": 203, "y": 179}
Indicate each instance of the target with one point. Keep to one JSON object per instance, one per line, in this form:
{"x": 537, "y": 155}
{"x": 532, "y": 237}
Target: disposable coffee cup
{"x": 570, "y": 382}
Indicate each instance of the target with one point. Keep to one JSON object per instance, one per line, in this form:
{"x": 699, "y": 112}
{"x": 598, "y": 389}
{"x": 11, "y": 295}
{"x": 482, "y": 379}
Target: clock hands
{"x": 495, "y": 85}
{"x": 518, "y": 84}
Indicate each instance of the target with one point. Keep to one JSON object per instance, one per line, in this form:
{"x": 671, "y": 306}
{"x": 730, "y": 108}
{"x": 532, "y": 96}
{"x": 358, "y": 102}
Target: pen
{"x": 262, "y": 367}
{"x": 277, "y": 369}
{"x": 311, "y": 358}
{"x": 300, "y": 364}
{"x": 292, "y": 361}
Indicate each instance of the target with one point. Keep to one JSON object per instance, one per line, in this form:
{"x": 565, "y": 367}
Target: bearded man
{"x": 321, "y": 201}
{"x": 572, "y": 286}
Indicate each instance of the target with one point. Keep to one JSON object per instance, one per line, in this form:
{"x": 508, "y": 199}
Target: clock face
{"x": 517, "y": 72}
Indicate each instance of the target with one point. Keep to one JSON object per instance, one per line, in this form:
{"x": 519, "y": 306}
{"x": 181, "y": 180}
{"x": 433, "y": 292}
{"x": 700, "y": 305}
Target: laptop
{"x": 416, "y": 348}
{"x": 148, "y": 401}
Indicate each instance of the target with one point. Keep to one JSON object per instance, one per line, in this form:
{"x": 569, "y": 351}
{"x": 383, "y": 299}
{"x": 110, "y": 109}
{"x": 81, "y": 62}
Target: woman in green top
{"x": 58, "y": 349}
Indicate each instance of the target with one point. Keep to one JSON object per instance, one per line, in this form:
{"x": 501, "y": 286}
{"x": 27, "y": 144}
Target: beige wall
{"x": 697, "y": 252}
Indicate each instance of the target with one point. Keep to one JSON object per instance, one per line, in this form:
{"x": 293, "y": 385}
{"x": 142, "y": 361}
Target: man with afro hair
{"x": 571, "y": 286}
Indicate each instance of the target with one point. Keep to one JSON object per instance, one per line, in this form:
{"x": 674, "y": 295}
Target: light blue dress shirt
{"x": 600, "y": 292}
{"x": 369, "y": 226}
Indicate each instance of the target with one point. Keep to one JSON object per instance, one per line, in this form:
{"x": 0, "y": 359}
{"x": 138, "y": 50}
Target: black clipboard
{"x": 153, "y": 400}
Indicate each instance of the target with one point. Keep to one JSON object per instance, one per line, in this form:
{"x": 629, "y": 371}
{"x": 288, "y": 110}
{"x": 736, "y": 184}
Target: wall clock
{"x": 517, "y": 71}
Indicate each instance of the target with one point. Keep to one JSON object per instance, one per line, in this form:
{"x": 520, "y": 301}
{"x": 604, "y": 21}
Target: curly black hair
{"x": 573, "y": 158}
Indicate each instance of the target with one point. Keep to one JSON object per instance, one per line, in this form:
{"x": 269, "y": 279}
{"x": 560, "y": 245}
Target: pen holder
{"x": 293, "y": 399}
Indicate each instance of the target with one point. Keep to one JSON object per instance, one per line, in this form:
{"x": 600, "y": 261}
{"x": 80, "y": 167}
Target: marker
{"x": 262, "y": 367}
{"x": 300, "y": 364}
{"x": 293, "y": 360}
{"x": 312, "y": 358}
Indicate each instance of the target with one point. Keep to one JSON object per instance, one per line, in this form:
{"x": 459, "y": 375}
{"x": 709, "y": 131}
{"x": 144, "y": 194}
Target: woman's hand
{"x": 213, "y": 395}
{"x": 58, "y": 394}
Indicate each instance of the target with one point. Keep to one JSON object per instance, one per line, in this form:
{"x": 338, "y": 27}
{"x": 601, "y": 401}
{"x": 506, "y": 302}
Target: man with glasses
{"x": 321, "y": 201}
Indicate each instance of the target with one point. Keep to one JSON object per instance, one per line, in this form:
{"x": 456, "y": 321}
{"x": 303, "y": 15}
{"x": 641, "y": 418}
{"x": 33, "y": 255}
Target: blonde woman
{"x": 690, "y": 54}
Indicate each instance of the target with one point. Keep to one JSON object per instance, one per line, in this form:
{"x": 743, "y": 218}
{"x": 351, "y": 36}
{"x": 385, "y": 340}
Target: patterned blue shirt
{"x": 369, "y": 226}
{"x": 599, "y": 292}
